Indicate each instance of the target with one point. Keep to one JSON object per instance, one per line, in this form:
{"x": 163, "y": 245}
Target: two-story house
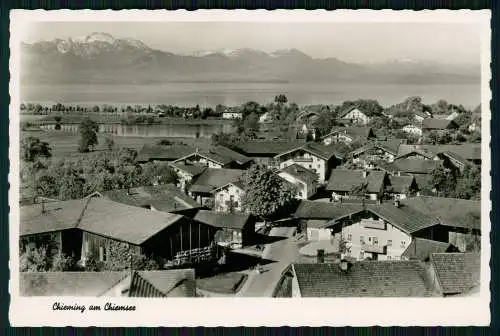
{"x": 313, "y": 156}
{"x": 303, "y": 179}
{"x": 414, "y": 129}
{"x": 203, "y": 187}
{"x": 354, "y": 115}
{"x": 348, "y": 135}
{"x": 345, "y": 183}
{"x": 227, "y": 198}
{"x": 216, "y": 157}
{"x": 380, "y": 151}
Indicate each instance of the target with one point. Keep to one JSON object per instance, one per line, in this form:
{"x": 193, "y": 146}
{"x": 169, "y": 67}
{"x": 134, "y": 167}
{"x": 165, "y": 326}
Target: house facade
{"x": 356, "y": 116}
{"x": 362, "y": 184}
{"x": 413, "y": 129}
{"x": 232, "y": 115}
{"x": 304, "y": 180}
{"x": 228, "y": 198}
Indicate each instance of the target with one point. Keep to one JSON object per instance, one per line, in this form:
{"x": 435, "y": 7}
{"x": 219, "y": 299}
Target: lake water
{"x": 211, "y": 94}
{"x": 162, "y": 130}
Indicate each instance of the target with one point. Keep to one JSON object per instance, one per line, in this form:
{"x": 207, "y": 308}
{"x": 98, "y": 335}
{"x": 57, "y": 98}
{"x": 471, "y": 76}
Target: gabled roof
{"x": 364, "y": 279}
{"x": 316, "y": 149}
{"x": 123, "y": 222}
{"x": 301, "y": 173}
{"x": 348, "y": 110}
{"x": 267, "y": 147}
{"x": 426, "y": 155}
{"x": 437, "y": 124}
{"x": 165, "y": 197}
{"x": 344, "y": 180}
{"x": 457, "y": 273}
{"x": 449, "y": 211}
{"x": 413, "y": 166}
{"x": 165, "y": 153}
{"x": 58, "y": 216}
{"x": 400, "y": 184}
{"x": 219, "y": 154}
{"x": 171, "y": 283}
{"x": 238, "y": 184}
{"x": 192, "y": 169}
{"x": 421, "y": 249}
{"x": 68, "y": 283}
{"x": 213, "y": 178}
{"x": 222, "y": 219}
{"x": 354, "y": 132}
{"x": 324, "y": 210}
{"x": 455, "y": 157}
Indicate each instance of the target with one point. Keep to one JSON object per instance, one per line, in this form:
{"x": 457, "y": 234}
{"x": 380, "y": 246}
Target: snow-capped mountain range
{"x": 103, "y": 58}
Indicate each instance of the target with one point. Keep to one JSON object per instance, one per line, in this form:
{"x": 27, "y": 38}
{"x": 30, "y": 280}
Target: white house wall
{"x": 308, "y": 161}
{"x": 304, "y": 190}
{"x": 223, "y": 196}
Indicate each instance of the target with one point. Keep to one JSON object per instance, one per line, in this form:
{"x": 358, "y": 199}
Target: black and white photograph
{"x": 225, "y": 157}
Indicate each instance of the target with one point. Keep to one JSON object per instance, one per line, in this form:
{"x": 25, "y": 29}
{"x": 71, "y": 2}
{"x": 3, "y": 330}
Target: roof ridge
{"x": 125, "y": 275}
{"x": 79, "y": 220}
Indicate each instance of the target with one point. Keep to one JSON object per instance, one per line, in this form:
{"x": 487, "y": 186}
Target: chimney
{"x": 397, "y": 204}
{"x": 320, "y": 256}
{"x": 197, "y": 150}
{"x": 345, "y": 265}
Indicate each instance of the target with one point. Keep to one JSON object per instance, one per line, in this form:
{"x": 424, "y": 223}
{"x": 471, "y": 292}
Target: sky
{"x": 457, "y": 43}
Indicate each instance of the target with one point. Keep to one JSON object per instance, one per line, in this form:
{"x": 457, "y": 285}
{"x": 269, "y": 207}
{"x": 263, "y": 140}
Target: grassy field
{"x": 65, "y": 144}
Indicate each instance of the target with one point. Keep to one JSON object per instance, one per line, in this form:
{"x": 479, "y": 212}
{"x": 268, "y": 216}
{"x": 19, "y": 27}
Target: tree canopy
{"x": 266, "y": 194}
{"x": 33, "y": 148}
{"x": 88, "y": 135}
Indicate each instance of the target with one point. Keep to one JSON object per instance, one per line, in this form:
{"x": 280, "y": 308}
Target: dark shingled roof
{"x": 467, "y": 151}
{"x": 214, "y": 178}
{"x": 324, "y": 210}
{"x": 317, "y": 149}
{"x": 421, "y": 249}
{"x": 349, "y": 109}
{"x": 164, "y": 153}
{"x": 165, "y": 197}
{"x": 363, "y": 279}
{"x": 355, "y": 132}
{"x": 171, "y": 283}
{"x": 192, "y": 169}
{"x": 400, "y": 184}
{"x": 301, "y": 173}
{"x": 267, "y": 148}
{"x": 123, "y": 222}
{"x": 437, "y": 124}
{"x": 450, "y": 211}
{"x": 58, "y": 216}
{"x": 219, "y": 154}
{"x": 412, "y": 166}
{"x": 457, "y": 273}
{"x": 345, "y": 179}
{"x": 68, "y": 283}
{"x": 222, "y": 219}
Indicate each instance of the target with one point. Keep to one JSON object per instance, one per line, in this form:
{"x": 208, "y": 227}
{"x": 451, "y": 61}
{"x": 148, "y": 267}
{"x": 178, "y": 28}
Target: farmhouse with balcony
{"x": 89, "y": 227}
{"x": 163, "y": 153}
{"x": 313, "y": 156}
{"x": 235, "y": 230}
{"x": 303, "y": 179}
{"x": 358, "y": 279}
{"x": 354, "y": 115}
{"x": 348, "y": 135}
{"x": 228, "y": 197}
{"x": 264, "y": 151}
{"x": 203, "y": 187}
{"x": 216, "y": 157}
{"x": 167, "y": 283}
{"x": 380, "y": 151}
{"x": 345, "y": 183}
{"x": 166, "y": 198}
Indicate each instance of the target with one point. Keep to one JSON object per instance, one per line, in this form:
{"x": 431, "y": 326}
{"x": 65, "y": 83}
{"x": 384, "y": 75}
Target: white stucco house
{"x": 413, "y": 129}
{"x": 303, "y": 179}
{"x": 355, "y": 115}
{"x": 228, "y": 197}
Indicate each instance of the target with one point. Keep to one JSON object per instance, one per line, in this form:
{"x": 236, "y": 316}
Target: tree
{"x": 63, "y": 263}
{"x": 33, "y": 148}
{"x": 88, "y": 135}
{"x": 469, "y": 183}
{"x": 120, "y": 256}
{"x": 34, "y": 260}
{"x": 266, "y": 194}
{"x": 444, "y": 181}
{"x": 229, "y": 140}
{"x": 280, "y": 99}
{"x": 158, "y": 173}
{"x": 251, "y": 124}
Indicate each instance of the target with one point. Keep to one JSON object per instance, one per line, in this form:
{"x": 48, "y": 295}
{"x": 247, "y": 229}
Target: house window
{"x": 310, "y": 166}
{"x": 389, "y": 257}
{"x": 403, "y": 244}
{"x": 349, "y": 237}
{"x": 102, "y": 253}
{"x": 389, "y": 242}
{"x": 375, "y": 240}
{"x": 362, "y": 239}
{"x": 300, "y": 193}
{"x": 361, "y": 255}
{"x": 369, "y": 239}
{"x": 236, "y": 204}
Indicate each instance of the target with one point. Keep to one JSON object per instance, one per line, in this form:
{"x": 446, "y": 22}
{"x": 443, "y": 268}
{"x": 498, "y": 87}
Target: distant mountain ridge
{"x": 102, "y": 58}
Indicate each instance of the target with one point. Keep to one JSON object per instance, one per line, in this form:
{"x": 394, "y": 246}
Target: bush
{"x": 63, "y": 263}
{"x": 34, "y": 260}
